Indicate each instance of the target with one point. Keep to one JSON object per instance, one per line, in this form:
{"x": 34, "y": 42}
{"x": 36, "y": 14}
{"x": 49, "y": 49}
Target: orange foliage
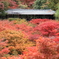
{"x": 45, "y": 49}
{"x": 17, "y": 40}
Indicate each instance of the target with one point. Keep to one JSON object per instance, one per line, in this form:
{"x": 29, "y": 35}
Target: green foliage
{"x": 11, "y": 19}
{"x": 52, "y": 4}
{"x": 2, "y": 13}
{"x": 46, "y": 4}
{"x": 5, "y": 5}
{"x": 57, "y": 12}
{"x": 38, "y": 3}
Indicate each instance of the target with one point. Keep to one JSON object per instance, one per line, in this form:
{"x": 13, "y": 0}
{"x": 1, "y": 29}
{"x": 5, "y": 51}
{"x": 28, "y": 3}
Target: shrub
{"x": 38, "y": 21}
{"x": 12, "y": 57}
{"x": 3, "y": 49}
{"x": 18, "y": 25}
{"x": 17, "y": 41}
{"x": 48, "y": 28}
{"x": 45, "y": 49}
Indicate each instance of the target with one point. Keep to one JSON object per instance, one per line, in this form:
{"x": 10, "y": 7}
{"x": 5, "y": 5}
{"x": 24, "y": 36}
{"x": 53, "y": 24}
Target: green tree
{"x": 38, "y": 4}
{"x": 57, "y": 12}
{"x": 52, "y": 4}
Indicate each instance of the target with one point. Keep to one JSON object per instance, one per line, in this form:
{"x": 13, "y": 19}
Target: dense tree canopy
{"x": 17, "y": 3}
{"x": 38, "y": 4}
{"x": 28, "y": 4}
{"x": 7, "y": 4}
{"x": 52, "y": 4}
{"x": 46, "y": 4}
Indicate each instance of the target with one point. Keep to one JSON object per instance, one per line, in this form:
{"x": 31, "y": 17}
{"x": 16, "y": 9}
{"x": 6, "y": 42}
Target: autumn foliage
{"x": 3, "y": 49}
{"x": 28, "y": 2}
{"x": 45, "y": 49}
{"x": 8, "y": 4}
{"x": 35, "y": 39}
{"x": 48, "y": 28}
{"x": 13, "y": 4}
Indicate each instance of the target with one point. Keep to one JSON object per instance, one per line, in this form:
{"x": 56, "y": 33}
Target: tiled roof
{"x": 31, "y": 11}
